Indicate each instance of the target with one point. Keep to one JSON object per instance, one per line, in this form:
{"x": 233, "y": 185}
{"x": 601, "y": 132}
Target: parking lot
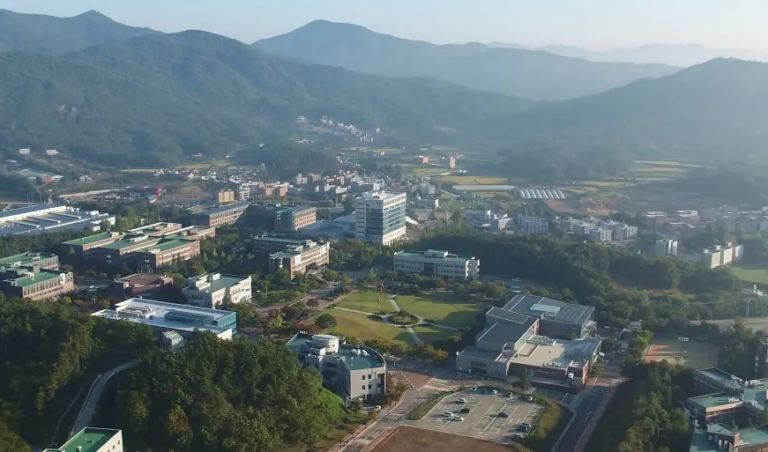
{"x": 484, "y": 419}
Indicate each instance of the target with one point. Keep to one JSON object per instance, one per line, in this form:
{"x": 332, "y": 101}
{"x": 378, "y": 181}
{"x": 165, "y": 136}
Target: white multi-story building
{"x": 92, "y": 439}
{"x": 162, "y": 316}
{"x": 214, "y": 289}
{"x": 437, "y": 264}
{"x": 666, "y": 247}
{"x": 620, "y": 231}
{"x": 717, "y": 256}
{"x": 380, "y": 217}
{"x": 532, "y": 225}
{"x": 600, "y": 235}
{"x": 360, "y": 372}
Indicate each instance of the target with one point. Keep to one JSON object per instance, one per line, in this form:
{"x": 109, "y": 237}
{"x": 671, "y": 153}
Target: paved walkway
{"x": 353, "y": 310}
{"x": 94, "y": 394}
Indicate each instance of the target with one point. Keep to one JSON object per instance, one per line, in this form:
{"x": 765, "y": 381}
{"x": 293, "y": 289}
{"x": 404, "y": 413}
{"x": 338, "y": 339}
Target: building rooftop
{"x": 127, "y": 241}
{"x": 380, "y": 195}
{"x": 222, "y": 282}
{"x": 748, "y": 437}
{"x": 480, "y": 353}
{"x": 42, "y": 275}
{"x": 353, "y": 361}
{"x": 282, "y": 240}
{"x": 92, "y": 238}
{"x": 507, "y": 329}
{"x": 550, "y": 309}
{"x": 225, "y": 208}
{"x": 719, "y": 377}
{"x": 170, "y": 315}
{"x": 545, "y": 352}
{"x": 715, "y": 400}
{"x": 447, "y": 258}
{"x": 87, "y": 440}
{"x": 27, "y": 210}
{"x": 164, "y": 246}
{"x": 24, "y": 259}
{"x": 162, "y": 226}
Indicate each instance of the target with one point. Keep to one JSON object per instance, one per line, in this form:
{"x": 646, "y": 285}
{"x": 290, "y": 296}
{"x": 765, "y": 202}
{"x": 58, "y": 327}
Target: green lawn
{"x": 751, "y": 273}
{"x": 442, "y": 308}
{"x": 432, "y": 334}
{"x": 367, "y": 301}
{"x": 364, "y": 328}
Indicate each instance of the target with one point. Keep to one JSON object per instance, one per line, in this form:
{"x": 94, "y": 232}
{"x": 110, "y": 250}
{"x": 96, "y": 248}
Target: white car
{"x": 449, "y": 414}
{"x": 462, "y": 400}
{"x": 458, "y": 418}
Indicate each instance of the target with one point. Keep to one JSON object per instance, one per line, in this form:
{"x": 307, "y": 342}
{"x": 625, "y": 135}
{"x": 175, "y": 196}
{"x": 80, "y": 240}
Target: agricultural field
{"x": 442, "y": 308}
{"x": 750, "y": 273}
{"x": 694, "y": 354}
{"x": 472, "y": 180}
{"x": 364, "y": 328}
{"x": 367, "y": 301}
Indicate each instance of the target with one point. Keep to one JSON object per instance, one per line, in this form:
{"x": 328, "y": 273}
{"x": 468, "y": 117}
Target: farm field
{"x": 750, "y": 273}
{"x": 367, "y": 301}
{"x": 694, "y": 354}
{"x": 442, "y": 308}
{"x": 473, "y": 180}
{"x": 363, "y": 328}
{"x": 410, "y": 439}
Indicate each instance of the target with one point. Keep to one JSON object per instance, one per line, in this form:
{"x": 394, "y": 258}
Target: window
{"x": 363, "y": 377}
{"x": 369, "y": 386}
{"x": 363, "y": 387}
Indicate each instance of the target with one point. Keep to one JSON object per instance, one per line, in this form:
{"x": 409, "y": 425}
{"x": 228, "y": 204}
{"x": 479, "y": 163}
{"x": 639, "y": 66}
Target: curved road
{"x": 94, "y": 394}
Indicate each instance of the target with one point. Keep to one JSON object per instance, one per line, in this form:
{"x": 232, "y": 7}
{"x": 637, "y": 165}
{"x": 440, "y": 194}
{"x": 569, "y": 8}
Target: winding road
{"x": 94, "y": 394}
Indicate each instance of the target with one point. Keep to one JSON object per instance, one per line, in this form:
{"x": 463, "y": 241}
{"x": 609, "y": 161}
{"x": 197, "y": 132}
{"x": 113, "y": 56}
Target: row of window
{"x": 378, "y": 385}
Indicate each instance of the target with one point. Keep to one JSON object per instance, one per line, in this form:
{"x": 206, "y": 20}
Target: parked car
{"x": 464, "y": 410}
{"x": 462, "y": 400}
{"x": 503, "y": 414}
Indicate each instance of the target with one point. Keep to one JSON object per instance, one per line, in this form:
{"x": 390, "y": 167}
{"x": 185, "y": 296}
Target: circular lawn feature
{"x": 403, "y": 318}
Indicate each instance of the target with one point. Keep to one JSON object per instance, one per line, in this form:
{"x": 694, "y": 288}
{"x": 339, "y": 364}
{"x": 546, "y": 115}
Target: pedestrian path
{"x": 353, "y": 310}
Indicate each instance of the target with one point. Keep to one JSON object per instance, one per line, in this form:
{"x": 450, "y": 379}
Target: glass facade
{"x": 380, "y": 222}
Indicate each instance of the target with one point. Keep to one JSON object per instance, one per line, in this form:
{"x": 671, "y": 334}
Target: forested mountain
{"x": 60, "y": 35}
{"x": 151, "y": 99}
{"x": 714, "y": 110}
{"x": 683, "y": 55}
{"x": 522, "y": 73}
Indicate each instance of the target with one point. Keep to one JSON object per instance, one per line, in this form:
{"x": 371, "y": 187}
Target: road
{"x": 94, "y": 394}
{"x": 587, "y": 414}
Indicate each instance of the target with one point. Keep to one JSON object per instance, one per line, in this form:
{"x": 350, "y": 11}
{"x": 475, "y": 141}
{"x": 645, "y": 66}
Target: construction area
{"x": 409, "y": 439}
{"x": 683, "y": 351}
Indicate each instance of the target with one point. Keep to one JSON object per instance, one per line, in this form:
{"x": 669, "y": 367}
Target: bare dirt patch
{"x": 694, "y": 354}
{"x": 409, "y": 439}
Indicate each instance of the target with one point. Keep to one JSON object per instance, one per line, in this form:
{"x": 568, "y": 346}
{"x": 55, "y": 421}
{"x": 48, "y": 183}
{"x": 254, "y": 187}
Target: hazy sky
{"x": 598, "y": 24}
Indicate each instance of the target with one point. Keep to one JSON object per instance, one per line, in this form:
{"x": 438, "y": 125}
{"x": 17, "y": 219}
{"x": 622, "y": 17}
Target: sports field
{"x": 696, "y": 355}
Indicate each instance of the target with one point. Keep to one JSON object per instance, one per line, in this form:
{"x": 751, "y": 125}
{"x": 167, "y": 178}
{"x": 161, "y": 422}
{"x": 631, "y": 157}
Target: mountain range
{"x": 60, "y": 35}
{"x": 156, "y": 97}
{"x": 523, "y": 73}
{"x": 683, "y": 55}
{"x": 153, "y": 98}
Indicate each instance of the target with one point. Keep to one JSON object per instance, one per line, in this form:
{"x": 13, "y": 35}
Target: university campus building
{"x": 358, "y": 372}
{"x": 516, "y": 340}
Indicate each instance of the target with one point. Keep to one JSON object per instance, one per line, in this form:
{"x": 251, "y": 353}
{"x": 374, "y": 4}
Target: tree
{"x": 325, "y": 321}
